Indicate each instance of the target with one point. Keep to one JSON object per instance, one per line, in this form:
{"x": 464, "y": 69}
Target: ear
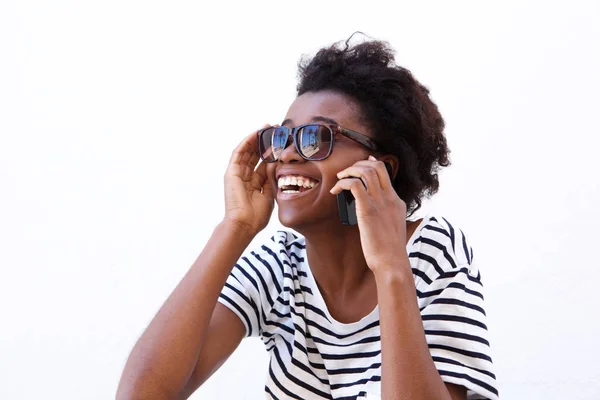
{"x": 393, "y": 162}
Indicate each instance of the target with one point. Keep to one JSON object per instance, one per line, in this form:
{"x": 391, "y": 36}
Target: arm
{"x": 192, "y": 335}
{"x": 225, "y": 332}
{"x": 162, "y": 361}
{"x": 408, "y": 371}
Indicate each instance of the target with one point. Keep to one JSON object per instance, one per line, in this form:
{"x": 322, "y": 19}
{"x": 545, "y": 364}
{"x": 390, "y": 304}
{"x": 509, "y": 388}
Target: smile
{"x": 295, "y": 183}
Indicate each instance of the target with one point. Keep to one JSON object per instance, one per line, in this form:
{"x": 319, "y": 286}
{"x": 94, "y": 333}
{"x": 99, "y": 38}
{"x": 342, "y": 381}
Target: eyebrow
{"x": 314, "y": 119}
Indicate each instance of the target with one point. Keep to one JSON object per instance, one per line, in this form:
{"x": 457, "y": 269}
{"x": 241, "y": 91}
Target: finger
{"x": 259, "y": 177}
{"x": 246, "y": 149}
{"x": 253, "y": 159}
{"x": 250, "y": 165}
{"x": 250, "y": 161}
{"x": 354, "y": 185}
{"x": 364, "y": 172}
{"x": 384, "y": 176}
{"x": 261, "y": 180}
{"x": 248, "y": 146}
{"x": 379, "y": 172}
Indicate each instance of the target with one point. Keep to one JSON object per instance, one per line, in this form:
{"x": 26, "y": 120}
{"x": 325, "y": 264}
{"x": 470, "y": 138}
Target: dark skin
{"x": 356, "y": 268}
{"x": 339, "y": 267}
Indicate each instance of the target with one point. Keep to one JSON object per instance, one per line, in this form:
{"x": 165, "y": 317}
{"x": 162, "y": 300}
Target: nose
{"x": 290, "y": 154}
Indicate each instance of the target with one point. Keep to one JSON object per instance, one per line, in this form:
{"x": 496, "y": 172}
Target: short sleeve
{"x": 240, "y": 295}
{"x": 451, "y": 300}
{"x": 255, "y": 283}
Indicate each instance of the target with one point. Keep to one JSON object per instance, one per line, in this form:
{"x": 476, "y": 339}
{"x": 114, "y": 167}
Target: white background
{"x": 117, "y": 119}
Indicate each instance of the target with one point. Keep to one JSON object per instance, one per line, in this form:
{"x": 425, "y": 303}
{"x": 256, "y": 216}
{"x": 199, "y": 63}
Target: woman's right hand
{"x": 249, "y": 198}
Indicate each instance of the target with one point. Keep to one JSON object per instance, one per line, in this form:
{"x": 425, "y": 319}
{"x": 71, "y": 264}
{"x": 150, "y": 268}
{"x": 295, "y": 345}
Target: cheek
{"x": 346, "y": 157}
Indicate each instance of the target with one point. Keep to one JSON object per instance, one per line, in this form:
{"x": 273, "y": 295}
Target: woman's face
{"x": 316, "y": 204}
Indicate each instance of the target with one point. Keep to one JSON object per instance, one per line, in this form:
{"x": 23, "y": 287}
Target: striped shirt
{"x": 313, "y": 356}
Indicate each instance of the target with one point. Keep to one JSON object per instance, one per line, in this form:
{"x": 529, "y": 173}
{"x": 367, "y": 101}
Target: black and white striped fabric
{"x": 313, "y": 356}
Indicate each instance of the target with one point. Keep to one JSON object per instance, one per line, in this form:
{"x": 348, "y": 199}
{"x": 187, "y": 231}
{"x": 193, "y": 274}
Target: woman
{"x": 336, "y": 308}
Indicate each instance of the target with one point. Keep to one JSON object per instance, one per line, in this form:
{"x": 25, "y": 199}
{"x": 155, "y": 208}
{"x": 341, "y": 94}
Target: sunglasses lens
{"x": 272, "y": 143}
{"x": 314, "y": 141}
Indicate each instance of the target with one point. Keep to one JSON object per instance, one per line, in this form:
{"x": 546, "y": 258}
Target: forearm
{"x": 166, "y": 354}
{"x": 408, "y": 371}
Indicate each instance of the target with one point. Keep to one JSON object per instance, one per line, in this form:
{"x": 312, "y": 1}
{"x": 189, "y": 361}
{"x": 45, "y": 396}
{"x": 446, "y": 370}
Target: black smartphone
{"x": 346, "y": 203}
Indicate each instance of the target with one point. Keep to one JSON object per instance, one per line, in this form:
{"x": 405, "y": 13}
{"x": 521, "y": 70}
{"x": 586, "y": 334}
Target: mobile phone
{"x": 346, "y": 203}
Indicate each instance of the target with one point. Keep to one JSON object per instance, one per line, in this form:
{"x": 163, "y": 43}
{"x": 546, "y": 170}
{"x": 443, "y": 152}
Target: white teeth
{"x": 300, "y": 181}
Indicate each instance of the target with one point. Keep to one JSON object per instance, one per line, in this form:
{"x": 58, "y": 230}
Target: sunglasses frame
{"x": 359, "y": 138}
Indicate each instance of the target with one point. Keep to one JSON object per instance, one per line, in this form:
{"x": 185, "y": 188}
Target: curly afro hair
{"x": 393, "y": 104}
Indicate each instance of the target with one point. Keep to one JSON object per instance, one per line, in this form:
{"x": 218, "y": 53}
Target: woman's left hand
{"x": 380, "y": 213}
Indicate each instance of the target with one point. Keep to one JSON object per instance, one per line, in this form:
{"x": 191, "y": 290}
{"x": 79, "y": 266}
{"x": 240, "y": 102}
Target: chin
{"x": 301, "y": 221}
{"x": 292, "y": 219}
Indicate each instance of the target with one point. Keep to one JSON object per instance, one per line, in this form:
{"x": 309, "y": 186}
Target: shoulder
{"x": 285, "y": 240}
{"x": 440, "y": 246}
{"x": 281, "y": 246}
{"x": 271, "y": 259}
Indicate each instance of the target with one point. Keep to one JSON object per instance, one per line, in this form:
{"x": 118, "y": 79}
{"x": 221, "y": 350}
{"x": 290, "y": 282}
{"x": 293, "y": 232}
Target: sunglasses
{"x": 313, "y": 142}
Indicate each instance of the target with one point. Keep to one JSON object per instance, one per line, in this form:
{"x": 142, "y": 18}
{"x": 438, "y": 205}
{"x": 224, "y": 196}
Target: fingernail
{"x": 372, "y": 158}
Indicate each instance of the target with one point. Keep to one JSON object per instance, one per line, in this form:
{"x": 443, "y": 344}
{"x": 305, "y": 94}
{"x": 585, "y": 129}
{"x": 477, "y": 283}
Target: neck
{"x": 336, "y": 258}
